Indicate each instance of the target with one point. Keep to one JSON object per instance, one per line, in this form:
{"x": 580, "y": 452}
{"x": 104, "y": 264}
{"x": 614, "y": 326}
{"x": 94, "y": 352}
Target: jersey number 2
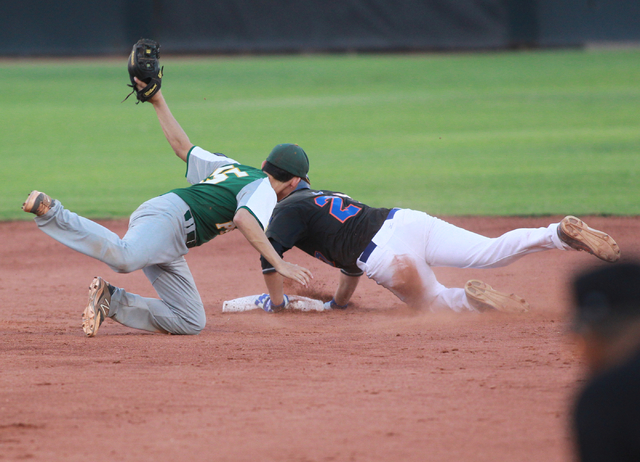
{"x": 336, "y": 209}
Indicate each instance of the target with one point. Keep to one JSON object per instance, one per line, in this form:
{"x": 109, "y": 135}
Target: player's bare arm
{"x": 172, "y": 130}
{"x": 274, "y": 282}
{"x": 346, "y": 287}
{"x": 250, "y": 228}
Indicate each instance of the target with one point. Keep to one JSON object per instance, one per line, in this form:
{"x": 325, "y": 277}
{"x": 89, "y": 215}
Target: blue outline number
{"x": 336, "y": 209}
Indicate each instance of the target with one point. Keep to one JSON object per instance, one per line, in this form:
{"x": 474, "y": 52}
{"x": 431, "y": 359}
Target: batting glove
{"x": 332, "y": 305}
{"x": 264, "y": 302}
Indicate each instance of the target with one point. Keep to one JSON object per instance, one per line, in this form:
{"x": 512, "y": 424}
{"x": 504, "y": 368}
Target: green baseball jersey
{"x": 220, "y": 187}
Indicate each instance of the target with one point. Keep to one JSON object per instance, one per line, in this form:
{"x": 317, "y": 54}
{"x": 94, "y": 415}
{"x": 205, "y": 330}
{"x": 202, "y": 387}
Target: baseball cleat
{"x": 576, "y": 234}
{"x": 98, "y": 307}
{"x": 483, "y": 297}
{"x": 37, "y": 202}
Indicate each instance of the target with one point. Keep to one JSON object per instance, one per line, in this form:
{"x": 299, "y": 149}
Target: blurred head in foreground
{"x": 607, "y": 314}
{"x": 607, "y": 322}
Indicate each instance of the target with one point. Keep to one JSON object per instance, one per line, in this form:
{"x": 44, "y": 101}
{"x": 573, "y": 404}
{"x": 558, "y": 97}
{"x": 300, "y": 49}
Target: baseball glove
{"x": 144, "y": 64}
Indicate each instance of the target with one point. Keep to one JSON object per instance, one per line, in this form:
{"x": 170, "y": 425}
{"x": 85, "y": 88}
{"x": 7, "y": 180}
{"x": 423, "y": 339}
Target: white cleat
{"x": 483, "y": 297}
{"x": 576, "y": 234}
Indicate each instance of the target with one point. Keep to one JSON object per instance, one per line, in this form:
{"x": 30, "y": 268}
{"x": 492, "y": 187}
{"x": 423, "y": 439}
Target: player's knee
{"x": 120, "y": 263}
{"x": 187, "y": 328}
{"x": 190, "y": 320}
{"x": 406, "y": 282}
{"x": 195, "y": 326}
{"x": 125, "y": 267}
{"x": 199, "y": 324}
{"x": 125, "y": 260}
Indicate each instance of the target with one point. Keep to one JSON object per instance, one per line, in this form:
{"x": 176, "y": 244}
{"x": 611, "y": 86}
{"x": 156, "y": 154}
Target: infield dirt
{"x": 376, "y": 382}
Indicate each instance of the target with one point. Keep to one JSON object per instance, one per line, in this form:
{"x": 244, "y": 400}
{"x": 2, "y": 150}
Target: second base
{"x": 296, "y": 302}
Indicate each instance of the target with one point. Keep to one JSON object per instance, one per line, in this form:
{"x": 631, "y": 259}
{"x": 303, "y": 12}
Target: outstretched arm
{"x": 346, "y": 287}
{"x": 172, "y": 130}
{"x": 274, "y": 282}
{"x": 249, "y": 227}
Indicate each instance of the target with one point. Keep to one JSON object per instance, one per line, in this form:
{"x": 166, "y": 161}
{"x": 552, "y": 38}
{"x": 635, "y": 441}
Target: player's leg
{"x": 156, "y": 234}
{"x": 449, "y": 245}
{"x": 395, "y": 266}
{"x": 178, "y": 311}
{"x": 398, "y": 263}
{"x": 443, "y": 244}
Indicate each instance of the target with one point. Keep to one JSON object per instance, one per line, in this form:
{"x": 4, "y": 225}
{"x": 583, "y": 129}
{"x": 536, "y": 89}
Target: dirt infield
{"x": 377, "y": 382}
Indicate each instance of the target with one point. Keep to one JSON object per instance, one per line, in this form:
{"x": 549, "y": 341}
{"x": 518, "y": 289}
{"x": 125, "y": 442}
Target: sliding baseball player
{"x": 399, "y": 247}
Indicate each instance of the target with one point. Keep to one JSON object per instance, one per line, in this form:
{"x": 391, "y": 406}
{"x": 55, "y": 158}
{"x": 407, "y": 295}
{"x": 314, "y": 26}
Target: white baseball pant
{"x": 409, "y": 243}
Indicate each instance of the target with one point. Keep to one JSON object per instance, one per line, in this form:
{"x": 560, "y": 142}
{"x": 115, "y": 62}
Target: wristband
{"x": 334, "y": 305}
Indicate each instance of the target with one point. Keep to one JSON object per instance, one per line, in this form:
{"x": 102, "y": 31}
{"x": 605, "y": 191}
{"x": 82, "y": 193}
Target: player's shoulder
{"x": 255, "y": 172}
{"x": 307, "y": 197}
{"x": 325, "y": 196}
{"x": 199, "y": 153}
{"x": 313, "y": 193}
{"x": 299, "y": 198}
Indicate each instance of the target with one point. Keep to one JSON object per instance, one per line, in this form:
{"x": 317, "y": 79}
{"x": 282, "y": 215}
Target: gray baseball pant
{"x": 156, "y": 243}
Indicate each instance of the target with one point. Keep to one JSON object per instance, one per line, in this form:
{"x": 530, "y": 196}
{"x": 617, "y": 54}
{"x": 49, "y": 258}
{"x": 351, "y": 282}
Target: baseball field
{"x": 489, "y": 141}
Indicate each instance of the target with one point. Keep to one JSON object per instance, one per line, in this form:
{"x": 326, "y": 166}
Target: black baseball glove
{"x": 144, "y": 64}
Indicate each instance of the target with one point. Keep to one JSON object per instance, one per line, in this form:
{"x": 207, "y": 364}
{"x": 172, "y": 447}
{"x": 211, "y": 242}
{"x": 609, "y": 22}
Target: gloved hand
{"x": 145, "y": 66}
{"x": 264, "y": 302}
{"x": 332, "y": 305}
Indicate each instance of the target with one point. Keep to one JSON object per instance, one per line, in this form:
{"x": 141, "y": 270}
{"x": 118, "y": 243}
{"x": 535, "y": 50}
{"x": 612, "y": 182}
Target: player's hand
{"x": 295, "y": 272}
{"x": 140, "y": 85}
{"x": 264, "y": 302}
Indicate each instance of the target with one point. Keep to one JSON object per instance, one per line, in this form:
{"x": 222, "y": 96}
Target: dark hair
{"x": 281, "y": 175}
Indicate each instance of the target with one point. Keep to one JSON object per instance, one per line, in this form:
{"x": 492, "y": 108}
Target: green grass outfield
{"x": 526, "y": 133}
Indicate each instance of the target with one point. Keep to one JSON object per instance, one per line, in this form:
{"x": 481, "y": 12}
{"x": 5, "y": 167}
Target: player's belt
{"x": 364, "y": 256}
{"x": 191, "y": 235}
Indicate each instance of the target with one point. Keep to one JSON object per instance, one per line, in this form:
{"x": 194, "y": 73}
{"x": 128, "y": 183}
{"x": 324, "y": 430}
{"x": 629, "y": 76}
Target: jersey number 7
{"x": 221, "y": 174}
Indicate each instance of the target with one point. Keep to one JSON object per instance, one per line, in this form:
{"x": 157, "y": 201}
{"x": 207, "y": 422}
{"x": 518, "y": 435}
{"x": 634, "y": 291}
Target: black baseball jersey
{"x": 327, "y": 225}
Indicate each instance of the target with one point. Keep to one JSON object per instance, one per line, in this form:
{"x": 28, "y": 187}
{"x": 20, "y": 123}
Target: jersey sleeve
{"x": 352, "y": 271}
{"x": 287, "y": 226}
{"x": 201, "y": 163}
{"x": 259, "y": 198}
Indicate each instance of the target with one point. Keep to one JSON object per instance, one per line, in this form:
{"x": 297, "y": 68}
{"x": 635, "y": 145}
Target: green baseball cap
{"x": 290, "y": 158}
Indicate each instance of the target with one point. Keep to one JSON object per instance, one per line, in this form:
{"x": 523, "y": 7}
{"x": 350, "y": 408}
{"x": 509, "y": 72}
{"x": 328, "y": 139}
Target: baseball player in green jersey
{"x": 224, "y": 195}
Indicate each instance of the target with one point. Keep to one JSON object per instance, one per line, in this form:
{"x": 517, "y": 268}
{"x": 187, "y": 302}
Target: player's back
{"x": 328, "y": 225}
